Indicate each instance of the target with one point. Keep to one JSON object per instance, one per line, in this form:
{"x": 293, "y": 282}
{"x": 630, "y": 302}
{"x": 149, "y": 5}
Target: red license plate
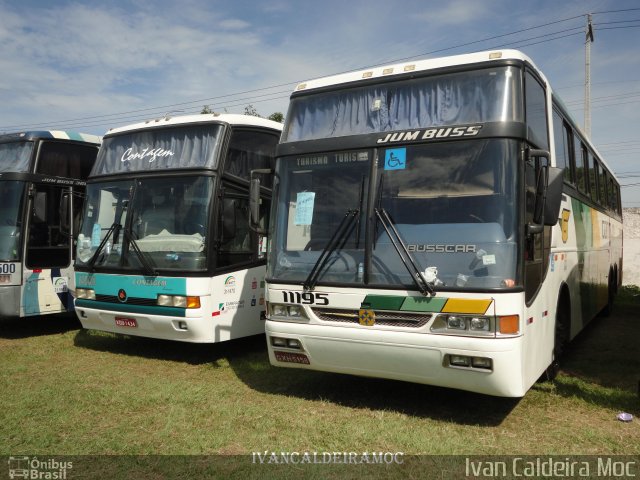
{"x": 126, "y": 322}
{"x": 291, "y": 357}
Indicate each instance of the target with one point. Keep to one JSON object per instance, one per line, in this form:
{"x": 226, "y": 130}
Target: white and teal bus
{"x": 42, "y": 181}
{"x": 442, "y": 221}
{"x": 165, "y": 249}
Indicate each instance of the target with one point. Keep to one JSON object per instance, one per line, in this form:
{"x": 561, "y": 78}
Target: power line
{"x": 128, "y": 115}
{"x": 172, "y": 106}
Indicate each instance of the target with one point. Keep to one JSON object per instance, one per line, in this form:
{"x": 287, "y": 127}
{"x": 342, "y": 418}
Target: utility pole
{"x": 587, "y": 77}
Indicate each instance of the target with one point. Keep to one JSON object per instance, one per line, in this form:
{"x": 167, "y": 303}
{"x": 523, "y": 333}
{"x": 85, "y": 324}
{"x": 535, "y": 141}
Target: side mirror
{"x": 255, "y": 201}
{"x": 554, "y": 196}
{"x": 548, "y": 194}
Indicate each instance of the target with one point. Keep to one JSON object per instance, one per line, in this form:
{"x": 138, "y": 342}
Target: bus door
{"x": 48, "y": 251}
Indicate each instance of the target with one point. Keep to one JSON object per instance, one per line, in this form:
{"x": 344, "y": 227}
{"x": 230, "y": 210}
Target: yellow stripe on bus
{"x": 465, "y": 305}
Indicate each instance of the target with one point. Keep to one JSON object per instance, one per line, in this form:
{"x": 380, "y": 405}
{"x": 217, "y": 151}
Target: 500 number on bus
{"x": 7, "y": 268}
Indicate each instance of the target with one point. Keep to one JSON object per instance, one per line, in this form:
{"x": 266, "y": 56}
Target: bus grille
{"x": 150, "y": 302}
{"x": 392, "y": 319}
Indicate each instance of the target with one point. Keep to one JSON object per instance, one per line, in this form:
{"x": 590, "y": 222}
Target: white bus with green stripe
{"x": 165, "y": 249}
{"x": 442, "y": 221}
{"x": 42, "y": 180}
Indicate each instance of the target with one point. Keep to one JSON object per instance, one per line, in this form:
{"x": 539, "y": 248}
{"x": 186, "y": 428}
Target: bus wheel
{"x": 561, "y": 337}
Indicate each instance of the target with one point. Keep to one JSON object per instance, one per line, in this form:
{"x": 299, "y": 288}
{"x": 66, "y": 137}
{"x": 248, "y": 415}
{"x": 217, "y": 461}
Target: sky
{"x": 88, "y": 66}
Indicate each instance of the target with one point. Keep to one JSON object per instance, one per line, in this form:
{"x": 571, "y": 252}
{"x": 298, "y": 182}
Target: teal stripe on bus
{"x": 124, "y": 308}
{"x": 136, "y": 286}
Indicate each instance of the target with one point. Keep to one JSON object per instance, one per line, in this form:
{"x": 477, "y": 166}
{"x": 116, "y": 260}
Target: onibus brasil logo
{"x": 35, "y": 468}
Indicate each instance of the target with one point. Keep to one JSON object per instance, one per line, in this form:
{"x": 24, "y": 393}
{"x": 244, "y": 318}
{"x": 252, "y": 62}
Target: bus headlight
{"x": 295, "y": 311}
{"x": 86, "y": 293}
{"x": 456, "y": 323}
{"x": 287, "y": 312}
{"x": 278, "y": 310}
{"x": 480, "y": 324}
{"x": 472, "y": 325}
{"x": 180, "y": 301}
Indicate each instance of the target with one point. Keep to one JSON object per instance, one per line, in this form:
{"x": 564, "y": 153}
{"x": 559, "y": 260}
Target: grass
{"x": 67, "y": 391}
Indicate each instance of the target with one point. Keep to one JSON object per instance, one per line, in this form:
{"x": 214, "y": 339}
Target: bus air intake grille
{"x": 387, "y": 318}
{"x": 149, "y": 302}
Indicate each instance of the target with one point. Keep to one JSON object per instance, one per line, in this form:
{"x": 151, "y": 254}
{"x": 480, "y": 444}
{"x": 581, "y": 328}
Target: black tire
{"x": 561, "y": 338}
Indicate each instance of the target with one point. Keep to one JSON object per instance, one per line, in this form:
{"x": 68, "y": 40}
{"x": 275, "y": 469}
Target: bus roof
{"x": 228, "y": 118}
{"x": 411, "y": 67}
{"x": 48, "y": 134}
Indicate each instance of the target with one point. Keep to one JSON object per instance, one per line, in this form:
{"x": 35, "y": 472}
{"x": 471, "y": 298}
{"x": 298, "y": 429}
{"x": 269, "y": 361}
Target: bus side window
{"x": 593, "y": 178}
{"x": 250, "y": 150}
{"x": 65, "y": 160}
{"x": 562, "y": 136}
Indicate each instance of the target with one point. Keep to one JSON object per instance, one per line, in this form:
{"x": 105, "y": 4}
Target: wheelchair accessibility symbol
{"x": 395, "y": 159}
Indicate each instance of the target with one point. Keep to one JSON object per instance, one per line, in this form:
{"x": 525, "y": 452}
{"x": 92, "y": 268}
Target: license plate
{"x": 291, "y": 357}
{"x": 126, "y": 322}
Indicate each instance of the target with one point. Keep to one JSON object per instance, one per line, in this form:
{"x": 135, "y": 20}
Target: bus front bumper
{"x": 418, "y": 358}
{"x": 10, "y": 301}
{"x": 179, "y": 328}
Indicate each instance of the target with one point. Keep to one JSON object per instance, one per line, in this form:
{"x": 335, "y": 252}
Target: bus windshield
{"x": 161, "y": 222}
{"x": 15, "y": 156}
{"x": 485, "y": 95}
{"x": 11, "y": 197}
{"x": 453, "y": 205}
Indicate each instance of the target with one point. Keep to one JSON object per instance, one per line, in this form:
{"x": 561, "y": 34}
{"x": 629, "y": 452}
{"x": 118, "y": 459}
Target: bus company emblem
{"x": 430, "y": 134}
{"x": 566, "y": 214}
{"x": 366, "y": 317}
{"x": 229, "y": 285}
{"x": 122, "y": 295}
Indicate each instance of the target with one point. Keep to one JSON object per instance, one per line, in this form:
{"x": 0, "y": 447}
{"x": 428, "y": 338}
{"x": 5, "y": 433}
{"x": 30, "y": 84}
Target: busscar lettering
{"x": 441, "y": 248}
{"x": 430, "y": 134}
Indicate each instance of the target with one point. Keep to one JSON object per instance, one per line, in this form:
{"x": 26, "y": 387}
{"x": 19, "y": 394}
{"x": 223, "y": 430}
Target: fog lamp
{"x": 481, "y": 362}
{"x": 459, "y": 360}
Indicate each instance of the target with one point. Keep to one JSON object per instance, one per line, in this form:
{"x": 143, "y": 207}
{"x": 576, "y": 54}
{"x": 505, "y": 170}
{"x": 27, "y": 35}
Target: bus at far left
{"x": 42, "y": 182}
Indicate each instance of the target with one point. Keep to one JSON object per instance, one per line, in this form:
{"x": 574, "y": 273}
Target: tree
{"x": 206, "y": 109}
{"x": 251, "y": 110}
{"x": 276, "y": 117}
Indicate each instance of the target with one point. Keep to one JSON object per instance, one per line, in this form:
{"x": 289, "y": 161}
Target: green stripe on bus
{"x": 423, "y": 304}
{"x": 383, "y": 302}
{"x": 143, "y": 309}
{"x": 407, "y": 304}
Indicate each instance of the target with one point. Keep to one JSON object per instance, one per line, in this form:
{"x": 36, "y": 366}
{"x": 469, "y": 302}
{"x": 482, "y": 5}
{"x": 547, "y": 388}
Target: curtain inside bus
{"x": 486, "y": 95}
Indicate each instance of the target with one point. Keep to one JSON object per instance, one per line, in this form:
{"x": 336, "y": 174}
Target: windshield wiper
{"x": 147, "y": 265}
{"x": 92, "y": 261}
{"x": 346, "y": 226}
{"x": 425, "y": 287}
